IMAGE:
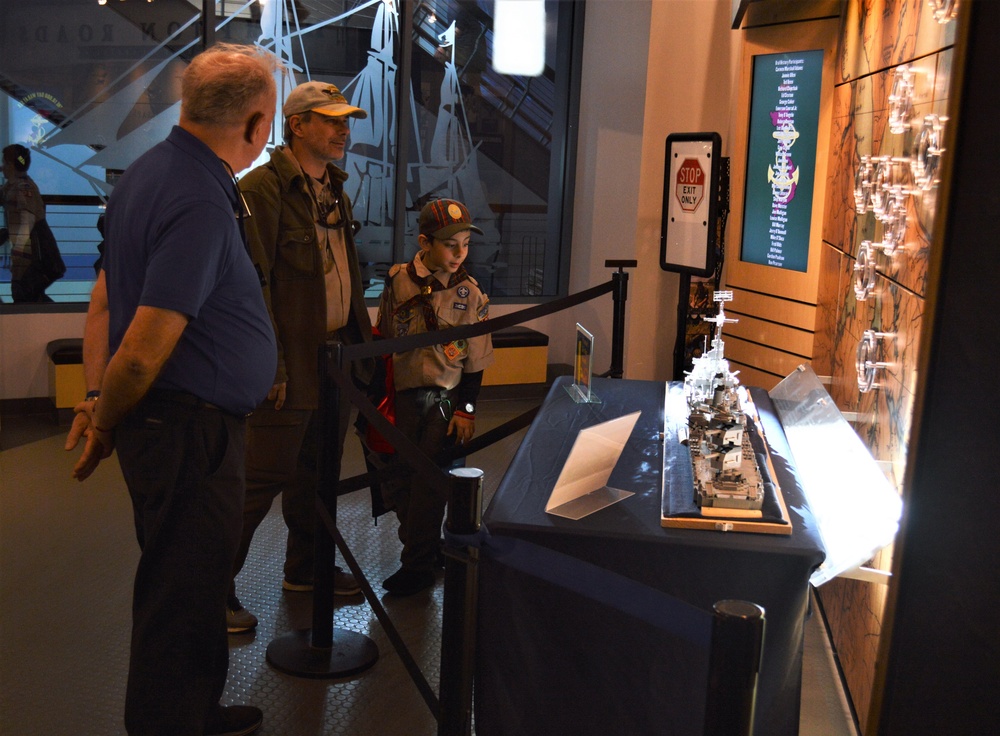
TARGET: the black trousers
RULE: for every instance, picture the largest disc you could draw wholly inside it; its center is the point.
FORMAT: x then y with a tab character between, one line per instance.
420	502
183	463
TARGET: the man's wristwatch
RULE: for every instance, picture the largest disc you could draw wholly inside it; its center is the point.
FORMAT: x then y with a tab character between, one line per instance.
93	395
466	410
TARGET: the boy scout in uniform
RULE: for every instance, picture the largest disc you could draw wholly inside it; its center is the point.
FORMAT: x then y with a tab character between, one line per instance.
437	386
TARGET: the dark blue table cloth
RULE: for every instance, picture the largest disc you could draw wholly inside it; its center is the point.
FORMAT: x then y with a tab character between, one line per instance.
600	626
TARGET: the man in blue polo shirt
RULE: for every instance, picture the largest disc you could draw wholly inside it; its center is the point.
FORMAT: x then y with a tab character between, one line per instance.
179	348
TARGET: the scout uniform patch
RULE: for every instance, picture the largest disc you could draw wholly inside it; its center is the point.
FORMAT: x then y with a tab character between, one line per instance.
456	349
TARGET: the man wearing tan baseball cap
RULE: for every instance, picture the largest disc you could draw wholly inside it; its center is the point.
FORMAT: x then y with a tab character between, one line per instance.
319	97
301	235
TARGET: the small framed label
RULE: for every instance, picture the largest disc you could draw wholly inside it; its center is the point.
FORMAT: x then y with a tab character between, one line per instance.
583	368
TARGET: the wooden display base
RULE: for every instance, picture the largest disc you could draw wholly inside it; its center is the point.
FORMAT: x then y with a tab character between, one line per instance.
731	523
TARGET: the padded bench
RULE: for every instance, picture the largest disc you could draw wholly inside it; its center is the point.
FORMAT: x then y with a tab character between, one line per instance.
521	355
67	386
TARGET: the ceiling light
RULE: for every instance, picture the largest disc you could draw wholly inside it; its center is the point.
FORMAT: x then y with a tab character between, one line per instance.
519	37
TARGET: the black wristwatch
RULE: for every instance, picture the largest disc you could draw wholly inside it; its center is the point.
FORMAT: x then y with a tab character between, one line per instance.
468	407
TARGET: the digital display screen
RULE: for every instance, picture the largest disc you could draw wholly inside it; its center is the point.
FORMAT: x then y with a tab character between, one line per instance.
781	159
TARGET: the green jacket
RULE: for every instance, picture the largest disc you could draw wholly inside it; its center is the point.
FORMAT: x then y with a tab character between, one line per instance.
281	231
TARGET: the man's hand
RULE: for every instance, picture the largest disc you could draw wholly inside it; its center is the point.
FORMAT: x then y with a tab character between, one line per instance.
277	395
463	427
99	445
83	419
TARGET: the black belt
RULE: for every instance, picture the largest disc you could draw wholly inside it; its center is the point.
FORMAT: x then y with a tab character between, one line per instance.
187	399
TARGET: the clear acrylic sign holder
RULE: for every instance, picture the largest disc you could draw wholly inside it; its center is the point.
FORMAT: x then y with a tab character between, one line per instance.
583	370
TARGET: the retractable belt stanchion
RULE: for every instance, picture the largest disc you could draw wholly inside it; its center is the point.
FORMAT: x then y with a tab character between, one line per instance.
619	280
325	651
461	588
733	667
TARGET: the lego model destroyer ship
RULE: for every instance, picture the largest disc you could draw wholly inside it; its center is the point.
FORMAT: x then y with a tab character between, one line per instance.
726	474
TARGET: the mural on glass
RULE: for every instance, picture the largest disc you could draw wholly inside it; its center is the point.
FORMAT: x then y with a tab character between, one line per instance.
467	132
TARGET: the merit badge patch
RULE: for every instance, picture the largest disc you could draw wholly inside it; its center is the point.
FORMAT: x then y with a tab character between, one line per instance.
456	349
460	306
463	292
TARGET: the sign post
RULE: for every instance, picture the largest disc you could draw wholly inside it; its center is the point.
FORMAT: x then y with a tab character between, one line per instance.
690	203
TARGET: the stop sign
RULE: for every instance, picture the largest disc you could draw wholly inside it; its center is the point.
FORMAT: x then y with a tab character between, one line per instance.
690	187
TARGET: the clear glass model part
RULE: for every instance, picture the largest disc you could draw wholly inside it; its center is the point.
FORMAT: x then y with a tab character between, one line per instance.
863	186
926	156
943	11
864	271
881	183
866	363
901	100
894	230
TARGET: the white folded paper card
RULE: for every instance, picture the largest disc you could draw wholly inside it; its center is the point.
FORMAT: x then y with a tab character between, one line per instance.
581	488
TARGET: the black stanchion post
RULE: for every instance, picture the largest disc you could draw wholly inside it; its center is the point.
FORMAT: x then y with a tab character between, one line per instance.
207	23
734	663
328	470
458	620
680	342
325	651
620	296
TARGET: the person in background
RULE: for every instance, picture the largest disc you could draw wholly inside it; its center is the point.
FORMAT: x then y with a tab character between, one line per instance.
301	235
436	387
23	208
178	349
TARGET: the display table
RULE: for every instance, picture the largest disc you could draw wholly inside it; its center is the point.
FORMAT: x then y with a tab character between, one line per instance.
599	626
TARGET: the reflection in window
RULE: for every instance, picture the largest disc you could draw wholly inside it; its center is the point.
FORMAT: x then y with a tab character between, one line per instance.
487	139
451	128
71	203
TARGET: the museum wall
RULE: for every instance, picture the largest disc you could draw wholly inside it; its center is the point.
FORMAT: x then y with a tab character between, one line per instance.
643	79
24	367
884	48
862	298
632	97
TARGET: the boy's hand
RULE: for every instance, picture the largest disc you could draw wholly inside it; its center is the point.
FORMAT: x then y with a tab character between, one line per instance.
463	426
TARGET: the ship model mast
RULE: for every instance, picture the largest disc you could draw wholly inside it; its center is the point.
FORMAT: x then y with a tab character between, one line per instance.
726	474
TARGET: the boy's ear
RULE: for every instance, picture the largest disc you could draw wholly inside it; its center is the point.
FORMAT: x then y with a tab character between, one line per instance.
424	242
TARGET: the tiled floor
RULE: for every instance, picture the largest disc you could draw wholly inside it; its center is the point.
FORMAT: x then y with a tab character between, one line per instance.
67	556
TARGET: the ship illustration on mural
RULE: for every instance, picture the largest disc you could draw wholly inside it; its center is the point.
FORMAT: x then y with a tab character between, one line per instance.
447	167
724	465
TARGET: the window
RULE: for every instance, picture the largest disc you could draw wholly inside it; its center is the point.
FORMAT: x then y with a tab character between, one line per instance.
103	79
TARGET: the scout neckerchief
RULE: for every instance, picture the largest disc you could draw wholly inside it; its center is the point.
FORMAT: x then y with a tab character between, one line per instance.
427	286
422	301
